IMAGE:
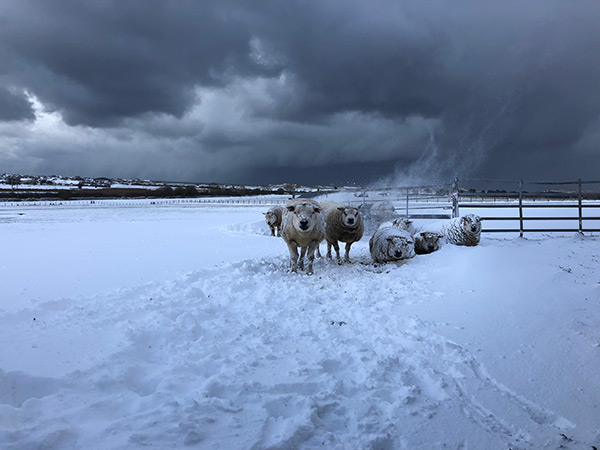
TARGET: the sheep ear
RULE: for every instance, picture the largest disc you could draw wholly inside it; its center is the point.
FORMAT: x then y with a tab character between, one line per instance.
291	208
359	206
389	238
317	210
341	208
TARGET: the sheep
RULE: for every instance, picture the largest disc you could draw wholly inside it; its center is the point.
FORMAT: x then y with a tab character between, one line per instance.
404	223
426	242
391	244
273	217
345	224
303	225
464	230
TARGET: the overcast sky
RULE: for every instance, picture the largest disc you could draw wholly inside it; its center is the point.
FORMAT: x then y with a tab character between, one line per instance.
311	92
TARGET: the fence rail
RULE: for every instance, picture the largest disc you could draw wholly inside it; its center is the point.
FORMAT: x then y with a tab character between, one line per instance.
569	206
523	199
234	201
553	203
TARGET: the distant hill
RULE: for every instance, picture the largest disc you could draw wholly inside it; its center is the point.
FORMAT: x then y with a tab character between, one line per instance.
28	187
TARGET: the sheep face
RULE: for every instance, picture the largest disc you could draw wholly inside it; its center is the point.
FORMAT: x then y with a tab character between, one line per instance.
349	216
470	224
427	242
304	216
399	248
271	218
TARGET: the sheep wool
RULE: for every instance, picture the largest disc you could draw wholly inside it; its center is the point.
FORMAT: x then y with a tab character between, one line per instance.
404	223
273	217
465	230
343	223
303	226
391	244
426	242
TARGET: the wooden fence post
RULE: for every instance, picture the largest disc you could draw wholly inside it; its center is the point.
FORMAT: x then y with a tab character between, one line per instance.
521	207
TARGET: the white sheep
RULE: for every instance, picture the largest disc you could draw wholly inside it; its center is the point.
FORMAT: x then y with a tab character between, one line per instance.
464	230
345	224
404	223
391	244
426	242
274	217
303	226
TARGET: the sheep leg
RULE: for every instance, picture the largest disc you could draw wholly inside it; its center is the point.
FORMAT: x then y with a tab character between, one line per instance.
347	257
318	251
329	249
293	256
301	260
272	230
278	231
336	246
311	256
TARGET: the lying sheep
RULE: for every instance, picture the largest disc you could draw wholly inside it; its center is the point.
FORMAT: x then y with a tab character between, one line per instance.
345	224
303	225
273	217
391	244
426	242
464	230
404	223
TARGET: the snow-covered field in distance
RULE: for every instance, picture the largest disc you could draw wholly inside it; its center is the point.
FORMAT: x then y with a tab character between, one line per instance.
131	325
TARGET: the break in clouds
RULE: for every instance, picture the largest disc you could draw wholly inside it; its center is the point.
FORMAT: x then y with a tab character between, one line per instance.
300	91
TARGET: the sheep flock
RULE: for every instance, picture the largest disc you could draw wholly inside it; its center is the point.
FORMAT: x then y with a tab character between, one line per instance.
304	224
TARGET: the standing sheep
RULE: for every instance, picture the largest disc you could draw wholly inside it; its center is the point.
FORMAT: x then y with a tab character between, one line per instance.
464	230
391	244
303	226
273	217
345	224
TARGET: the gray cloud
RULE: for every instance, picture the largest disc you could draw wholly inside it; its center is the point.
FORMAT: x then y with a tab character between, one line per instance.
310	90
99	62
14	106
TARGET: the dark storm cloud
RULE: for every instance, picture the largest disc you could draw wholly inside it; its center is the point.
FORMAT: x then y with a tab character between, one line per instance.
516	77
268	87
15	106
100	61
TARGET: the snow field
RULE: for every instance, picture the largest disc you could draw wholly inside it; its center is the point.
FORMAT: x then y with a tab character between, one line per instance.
495	346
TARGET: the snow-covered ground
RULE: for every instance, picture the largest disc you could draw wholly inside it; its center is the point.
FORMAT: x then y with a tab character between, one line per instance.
179	325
